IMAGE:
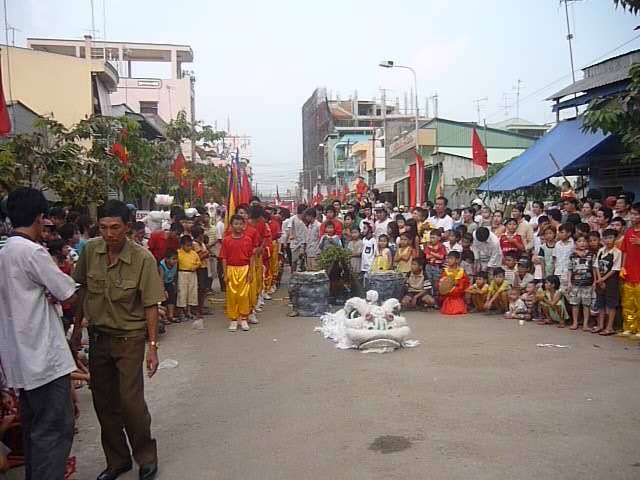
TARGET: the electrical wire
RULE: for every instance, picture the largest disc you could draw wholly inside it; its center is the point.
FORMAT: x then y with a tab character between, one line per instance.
540	90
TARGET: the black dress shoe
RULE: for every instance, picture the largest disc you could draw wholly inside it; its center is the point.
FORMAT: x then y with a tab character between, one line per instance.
112	474
148	471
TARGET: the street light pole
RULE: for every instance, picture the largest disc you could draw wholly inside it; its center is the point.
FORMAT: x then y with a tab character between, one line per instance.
419	174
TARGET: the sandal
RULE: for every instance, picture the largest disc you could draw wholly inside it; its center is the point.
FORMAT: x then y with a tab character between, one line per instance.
607	333
596	330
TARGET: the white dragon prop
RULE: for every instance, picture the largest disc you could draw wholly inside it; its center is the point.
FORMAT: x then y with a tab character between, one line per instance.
363	325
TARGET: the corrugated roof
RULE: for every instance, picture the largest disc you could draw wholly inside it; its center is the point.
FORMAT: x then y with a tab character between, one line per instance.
586	84
607	72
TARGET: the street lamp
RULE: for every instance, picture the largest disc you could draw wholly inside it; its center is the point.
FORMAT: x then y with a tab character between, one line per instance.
419	175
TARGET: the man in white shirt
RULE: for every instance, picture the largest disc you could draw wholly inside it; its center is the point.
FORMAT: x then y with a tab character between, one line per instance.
486	250
441	219
35	356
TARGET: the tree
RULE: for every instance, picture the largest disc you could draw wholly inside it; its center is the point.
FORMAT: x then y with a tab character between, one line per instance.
632	5
619	114
540	191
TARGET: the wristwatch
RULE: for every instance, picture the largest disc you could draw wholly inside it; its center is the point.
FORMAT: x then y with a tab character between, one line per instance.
155	345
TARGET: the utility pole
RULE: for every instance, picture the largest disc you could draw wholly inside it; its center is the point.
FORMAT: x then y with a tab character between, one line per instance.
569	39
505	104
13	34
517	89
93	21
478	101
435	105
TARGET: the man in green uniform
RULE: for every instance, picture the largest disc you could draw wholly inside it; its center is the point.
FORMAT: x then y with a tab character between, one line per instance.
120	292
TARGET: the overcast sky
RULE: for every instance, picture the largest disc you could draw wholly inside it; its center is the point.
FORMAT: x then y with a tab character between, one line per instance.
258	61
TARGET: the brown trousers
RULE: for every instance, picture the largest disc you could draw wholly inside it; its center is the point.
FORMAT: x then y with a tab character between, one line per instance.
117	387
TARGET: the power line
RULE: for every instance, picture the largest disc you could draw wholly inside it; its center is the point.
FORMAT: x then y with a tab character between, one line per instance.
595	60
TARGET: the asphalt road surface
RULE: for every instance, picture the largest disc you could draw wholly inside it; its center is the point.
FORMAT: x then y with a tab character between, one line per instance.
476	400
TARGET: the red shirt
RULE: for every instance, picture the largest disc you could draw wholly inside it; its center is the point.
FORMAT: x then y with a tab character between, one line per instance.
631	256
276	228
507	247
237	251
159	244
337	224
438	249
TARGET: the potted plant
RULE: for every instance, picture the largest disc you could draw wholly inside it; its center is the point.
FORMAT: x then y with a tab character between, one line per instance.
336	262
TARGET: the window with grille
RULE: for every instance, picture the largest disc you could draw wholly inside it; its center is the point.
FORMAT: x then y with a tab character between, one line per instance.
149	107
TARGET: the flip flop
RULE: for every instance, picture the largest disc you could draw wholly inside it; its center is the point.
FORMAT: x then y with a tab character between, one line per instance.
596	330
604	333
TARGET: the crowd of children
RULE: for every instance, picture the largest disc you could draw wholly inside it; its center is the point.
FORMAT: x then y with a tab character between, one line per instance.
569	263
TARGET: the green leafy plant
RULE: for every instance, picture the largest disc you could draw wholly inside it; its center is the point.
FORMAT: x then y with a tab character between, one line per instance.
620	115
335	260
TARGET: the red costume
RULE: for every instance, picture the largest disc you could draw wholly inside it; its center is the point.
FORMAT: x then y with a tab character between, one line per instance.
453	302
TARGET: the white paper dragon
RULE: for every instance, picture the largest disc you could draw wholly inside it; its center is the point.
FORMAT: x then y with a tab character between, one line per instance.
364	325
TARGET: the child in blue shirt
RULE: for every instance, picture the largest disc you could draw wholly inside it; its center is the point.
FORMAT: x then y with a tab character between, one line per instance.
169	272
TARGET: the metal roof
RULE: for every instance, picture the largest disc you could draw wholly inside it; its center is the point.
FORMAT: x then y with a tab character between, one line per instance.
607	72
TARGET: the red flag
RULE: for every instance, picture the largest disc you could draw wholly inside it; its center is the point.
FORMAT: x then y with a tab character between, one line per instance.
5	123
179	166
245	188
120	151
479	154
419	186
198	187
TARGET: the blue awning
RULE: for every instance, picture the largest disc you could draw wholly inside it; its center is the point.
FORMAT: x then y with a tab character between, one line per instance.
568	144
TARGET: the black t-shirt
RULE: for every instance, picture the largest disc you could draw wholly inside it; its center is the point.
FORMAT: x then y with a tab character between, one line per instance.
581	269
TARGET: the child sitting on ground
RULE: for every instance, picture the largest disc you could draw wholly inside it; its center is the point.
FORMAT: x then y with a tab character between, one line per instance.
383	260
517	308
416	293
530	299
552	303
479	291
452	286
497	298
168	268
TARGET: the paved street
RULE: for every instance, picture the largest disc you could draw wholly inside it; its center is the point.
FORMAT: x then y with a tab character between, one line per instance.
476	400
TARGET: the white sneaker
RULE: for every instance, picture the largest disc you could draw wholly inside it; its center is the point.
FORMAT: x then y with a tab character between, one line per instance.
258	308
233	326
253	319
244	325
267	296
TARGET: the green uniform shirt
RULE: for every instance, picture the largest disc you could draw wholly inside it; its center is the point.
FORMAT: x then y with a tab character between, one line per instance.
116	296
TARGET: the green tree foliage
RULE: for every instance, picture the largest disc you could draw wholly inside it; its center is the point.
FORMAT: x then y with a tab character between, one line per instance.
541	191
632	5
79	163
619	114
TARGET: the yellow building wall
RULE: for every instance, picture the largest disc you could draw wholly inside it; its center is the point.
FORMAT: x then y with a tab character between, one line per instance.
50	84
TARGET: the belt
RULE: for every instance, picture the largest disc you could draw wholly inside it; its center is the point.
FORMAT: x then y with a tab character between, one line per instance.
186	270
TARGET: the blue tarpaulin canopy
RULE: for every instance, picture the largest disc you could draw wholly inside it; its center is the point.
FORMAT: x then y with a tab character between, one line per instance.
568	144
